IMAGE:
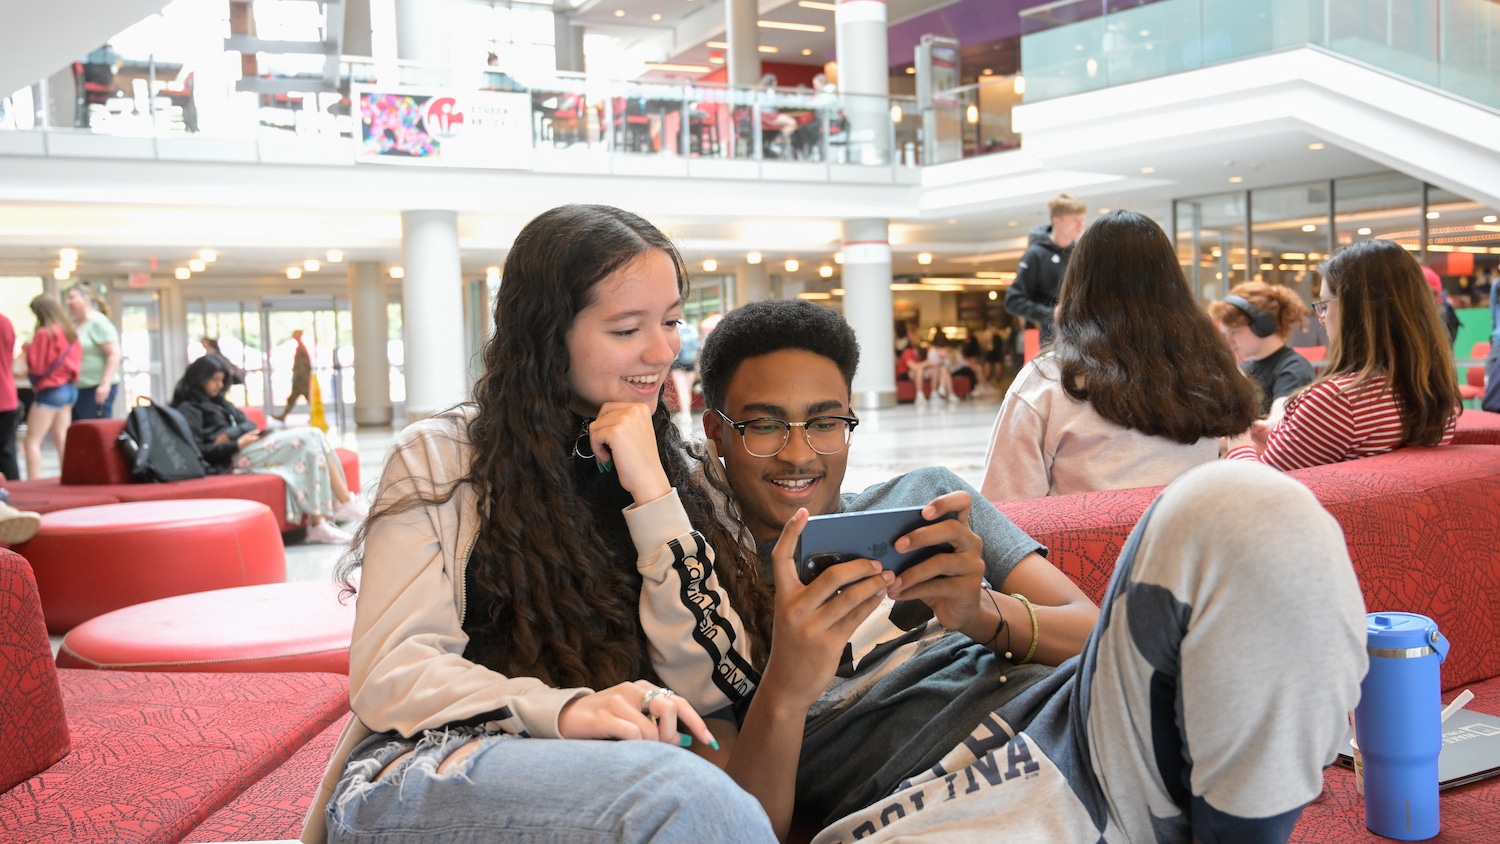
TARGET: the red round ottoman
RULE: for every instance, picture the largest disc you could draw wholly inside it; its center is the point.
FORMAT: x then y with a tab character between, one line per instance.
91	560
299	626
1477	427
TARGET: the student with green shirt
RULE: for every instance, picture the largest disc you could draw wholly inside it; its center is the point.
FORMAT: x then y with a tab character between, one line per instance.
99	377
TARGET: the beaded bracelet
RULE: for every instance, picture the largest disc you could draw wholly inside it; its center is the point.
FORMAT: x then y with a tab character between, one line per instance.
1034	636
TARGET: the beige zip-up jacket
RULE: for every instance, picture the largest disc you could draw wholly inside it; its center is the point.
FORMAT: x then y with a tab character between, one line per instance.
406	667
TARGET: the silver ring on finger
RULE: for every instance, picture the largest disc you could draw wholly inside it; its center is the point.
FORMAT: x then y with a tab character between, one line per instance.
653	695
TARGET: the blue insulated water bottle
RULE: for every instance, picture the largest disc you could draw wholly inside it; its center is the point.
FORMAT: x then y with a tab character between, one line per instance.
1398	725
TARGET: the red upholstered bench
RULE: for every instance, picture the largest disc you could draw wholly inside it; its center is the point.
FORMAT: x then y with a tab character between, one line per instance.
91	560
124	756
1477	427
299	626
92	464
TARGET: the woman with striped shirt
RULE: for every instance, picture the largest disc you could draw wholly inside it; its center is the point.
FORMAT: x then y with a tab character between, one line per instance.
1389	381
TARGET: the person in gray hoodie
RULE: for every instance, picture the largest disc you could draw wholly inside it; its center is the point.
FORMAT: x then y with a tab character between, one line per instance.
1033	294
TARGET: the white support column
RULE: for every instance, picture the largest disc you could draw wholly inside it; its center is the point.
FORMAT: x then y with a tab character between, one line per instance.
432	313
751	283
372	366
864	78
423	33
869	309
742	59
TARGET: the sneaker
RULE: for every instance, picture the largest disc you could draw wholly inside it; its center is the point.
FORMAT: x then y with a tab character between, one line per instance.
327	533
17	526
353	510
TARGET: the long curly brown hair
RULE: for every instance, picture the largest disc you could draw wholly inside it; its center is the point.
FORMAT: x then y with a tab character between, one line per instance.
556	601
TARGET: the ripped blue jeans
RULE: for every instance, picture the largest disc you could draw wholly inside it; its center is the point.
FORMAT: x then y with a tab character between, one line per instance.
536	790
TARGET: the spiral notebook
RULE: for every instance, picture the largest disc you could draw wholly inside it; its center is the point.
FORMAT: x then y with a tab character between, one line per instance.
1471	749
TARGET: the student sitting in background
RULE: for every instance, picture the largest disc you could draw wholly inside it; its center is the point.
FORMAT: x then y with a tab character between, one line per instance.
1139	386
1389	381
1257	319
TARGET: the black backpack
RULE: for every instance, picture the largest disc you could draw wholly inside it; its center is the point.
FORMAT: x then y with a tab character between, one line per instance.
159	445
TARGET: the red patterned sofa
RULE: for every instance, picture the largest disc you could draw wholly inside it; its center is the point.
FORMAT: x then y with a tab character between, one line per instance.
126	756
1423	530
95	472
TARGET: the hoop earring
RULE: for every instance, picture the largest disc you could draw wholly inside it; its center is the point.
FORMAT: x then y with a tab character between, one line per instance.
583	437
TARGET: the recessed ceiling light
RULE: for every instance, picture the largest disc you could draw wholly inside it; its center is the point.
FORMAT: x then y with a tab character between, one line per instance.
1103	210
1314	147
721	45
806	51
312	265
1309	228
398	271
825	271
1148	170
183	273
715	59
1234	180
1490	218
208	256
791	27
1364	231
710	265
656	16
767	48
197	265
619	13
61	273
68	256
813	4
293	273
911	71
989	71
838	257
924	258
1433	215
792	265
752	257
335	256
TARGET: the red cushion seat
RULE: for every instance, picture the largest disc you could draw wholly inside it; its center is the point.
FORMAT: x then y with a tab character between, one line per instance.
1477	427
35	734
301	626
91	560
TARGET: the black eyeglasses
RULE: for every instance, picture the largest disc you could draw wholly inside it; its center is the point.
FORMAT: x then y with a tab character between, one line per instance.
1321	308
766	436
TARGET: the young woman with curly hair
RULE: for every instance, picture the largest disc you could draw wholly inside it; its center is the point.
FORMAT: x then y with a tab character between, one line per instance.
1389	381
1139	386
540	562
1257	318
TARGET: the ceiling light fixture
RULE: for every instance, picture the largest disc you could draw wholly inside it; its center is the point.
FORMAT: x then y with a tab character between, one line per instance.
1148	170
752	257
1309	228
767	48
710	265
1019	85
721	45
293	273
312	265
792	27
492	275
1234	180
924	258
1314	147
68	256
806	51
792	265
197	265
207	256
398	271
335	256
1363	231
813	4
61	273
1433	215
656	16
825	271
1491	218
183	273
619	13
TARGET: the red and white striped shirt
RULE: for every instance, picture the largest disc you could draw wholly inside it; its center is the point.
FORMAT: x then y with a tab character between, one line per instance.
1333	422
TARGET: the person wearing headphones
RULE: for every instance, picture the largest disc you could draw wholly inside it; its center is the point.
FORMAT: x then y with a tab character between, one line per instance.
1257	318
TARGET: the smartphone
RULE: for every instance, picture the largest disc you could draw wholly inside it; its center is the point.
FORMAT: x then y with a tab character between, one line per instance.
866	534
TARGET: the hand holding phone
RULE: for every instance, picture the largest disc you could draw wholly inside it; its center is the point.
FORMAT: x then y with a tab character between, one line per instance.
868	534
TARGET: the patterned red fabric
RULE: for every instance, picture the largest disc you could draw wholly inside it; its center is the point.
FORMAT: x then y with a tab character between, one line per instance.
36	731
92	457
1477	427
1470	813
1083	533
273	808
1423	529
155	754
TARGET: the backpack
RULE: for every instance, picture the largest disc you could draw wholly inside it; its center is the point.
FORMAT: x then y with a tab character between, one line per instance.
159	446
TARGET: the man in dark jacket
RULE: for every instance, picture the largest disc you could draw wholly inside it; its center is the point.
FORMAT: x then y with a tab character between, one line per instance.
1033	295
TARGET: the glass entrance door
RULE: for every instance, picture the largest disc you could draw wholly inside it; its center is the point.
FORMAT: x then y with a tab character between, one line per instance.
326	334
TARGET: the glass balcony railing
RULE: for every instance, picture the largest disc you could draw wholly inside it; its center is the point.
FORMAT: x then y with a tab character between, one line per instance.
566	113
1072	46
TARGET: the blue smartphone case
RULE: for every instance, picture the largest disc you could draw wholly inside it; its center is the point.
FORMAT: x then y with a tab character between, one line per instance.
869	534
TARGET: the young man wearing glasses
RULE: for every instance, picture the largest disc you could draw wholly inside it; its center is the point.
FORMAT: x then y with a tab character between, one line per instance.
946	717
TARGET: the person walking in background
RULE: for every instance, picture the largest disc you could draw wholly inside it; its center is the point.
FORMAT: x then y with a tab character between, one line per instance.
10	403
99	375
1033	295
53	358
301	377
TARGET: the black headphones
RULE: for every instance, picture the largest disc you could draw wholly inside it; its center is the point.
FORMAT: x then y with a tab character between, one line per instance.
1262	324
